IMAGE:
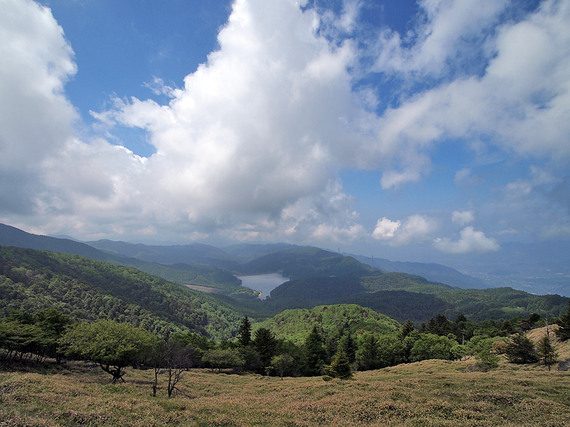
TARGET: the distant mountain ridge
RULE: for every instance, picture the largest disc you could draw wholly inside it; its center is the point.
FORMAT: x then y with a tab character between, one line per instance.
318	277
12	236
200	275
431	271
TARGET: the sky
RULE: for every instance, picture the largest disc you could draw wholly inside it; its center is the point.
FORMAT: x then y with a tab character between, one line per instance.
434	128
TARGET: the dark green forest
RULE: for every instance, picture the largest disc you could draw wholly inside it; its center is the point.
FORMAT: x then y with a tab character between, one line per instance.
91	290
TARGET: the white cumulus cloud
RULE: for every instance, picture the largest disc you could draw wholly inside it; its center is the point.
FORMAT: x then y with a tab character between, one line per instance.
470	240
414	229
462	217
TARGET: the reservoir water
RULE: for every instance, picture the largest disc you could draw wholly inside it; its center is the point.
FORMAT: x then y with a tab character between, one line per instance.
263	282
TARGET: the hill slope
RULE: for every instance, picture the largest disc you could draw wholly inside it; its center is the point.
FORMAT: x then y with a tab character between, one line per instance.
89	290
180	273
431	271
403	296
298	262
296	324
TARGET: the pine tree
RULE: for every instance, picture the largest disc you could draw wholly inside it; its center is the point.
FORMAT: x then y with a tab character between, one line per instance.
348	345
521	350
406	329
265	344
314	353
244	333
546	352
340	366
563	331
368	357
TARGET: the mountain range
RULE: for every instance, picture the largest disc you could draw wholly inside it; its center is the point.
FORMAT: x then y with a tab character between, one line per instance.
316	276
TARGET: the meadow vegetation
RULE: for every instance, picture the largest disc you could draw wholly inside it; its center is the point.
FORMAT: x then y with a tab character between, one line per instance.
428	393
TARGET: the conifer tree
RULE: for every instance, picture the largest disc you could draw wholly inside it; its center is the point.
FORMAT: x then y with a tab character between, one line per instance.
368	357
348	345
314	353
406	329
546	352
244	332
340	366
521	349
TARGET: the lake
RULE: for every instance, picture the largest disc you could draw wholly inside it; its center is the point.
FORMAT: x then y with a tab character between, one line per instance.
263	282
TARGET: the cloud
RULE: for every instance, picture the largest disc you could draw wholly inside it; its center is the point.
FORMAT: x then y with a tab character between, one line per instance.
415	229
386	229
450	31
519	102
36	119
263	125
462	217
251	145
470	240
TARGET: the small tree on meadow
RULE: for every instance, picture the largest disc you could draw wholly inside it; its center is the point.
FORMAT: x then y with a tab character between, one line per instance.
314	354
546	352
520	349
112	345
283	363
265	344
339	367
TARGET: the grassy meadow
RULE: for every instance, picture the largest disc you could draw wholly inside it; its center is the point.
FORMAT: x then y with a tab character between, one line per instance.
433	392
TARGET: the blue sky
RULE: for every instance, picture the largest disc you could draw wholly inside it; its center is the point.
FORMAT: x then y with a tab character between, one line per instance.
424	129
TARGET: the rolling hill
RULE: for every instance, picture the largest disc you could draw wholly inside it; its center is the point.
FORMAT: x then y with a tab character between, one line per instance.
87	289
196	274
403	297
296	324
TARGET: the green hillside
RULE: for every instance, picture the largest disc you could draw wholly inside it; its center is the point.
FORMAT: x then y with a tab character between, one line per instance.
299	262
143	257
403	296
89	290
296	324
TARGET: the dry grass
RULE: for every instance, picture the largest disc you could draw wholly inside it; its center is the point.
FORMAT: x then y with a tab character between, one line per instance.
426	393
562	348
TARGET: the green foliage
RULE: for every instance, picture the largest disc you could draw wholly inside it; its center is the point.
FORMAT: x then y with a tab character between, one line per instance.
340	366
36	334
91	290
348	345
296	324
546	353
431	346
520	349
367	354
407	328
220	359
482	348
314	354
111	344
284	364
265	344
244	332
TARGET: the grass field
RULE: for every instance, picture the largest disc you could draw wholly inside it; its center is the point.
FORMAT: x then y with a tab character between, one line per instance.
427	393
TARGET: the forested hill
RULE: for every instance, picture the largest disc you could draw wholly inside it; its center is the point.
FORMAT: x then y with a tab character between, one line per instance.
404	296
88	289
300	262
127	254
12	236
332	321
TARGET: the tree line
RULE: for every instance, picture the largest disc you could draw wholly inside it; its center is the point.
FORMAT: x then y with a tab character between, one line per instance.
115	346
